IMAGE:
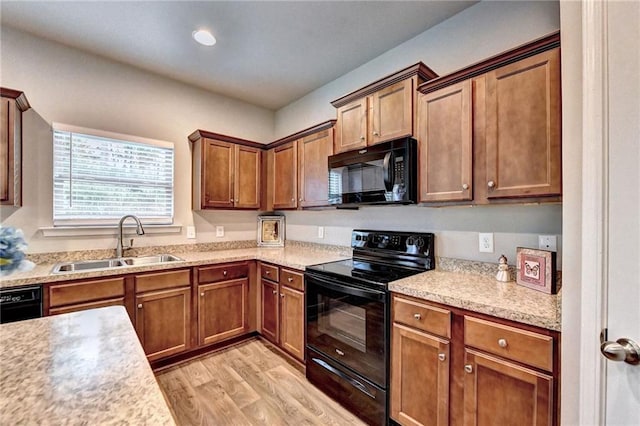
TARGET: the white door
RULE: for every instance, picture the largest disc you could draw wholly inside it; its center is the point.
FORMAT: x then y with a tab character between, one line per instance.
610	390
623	246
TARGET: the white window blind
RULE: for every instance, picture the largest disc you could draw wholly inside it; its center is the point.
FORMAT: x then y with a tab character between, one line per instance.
99	177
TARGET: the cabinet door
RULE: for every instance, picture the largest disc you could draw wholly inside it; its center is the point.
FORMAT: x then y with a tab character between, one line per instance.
269	292
523	128
222	310
163	321
445	144
351	126
217	174
391	112
313	175
247	177
502	393
419	377
285	158
292	321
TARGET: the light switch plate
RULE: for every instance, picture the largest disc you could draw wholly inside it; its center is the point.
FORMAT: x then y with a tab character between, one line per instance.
191	232
219	231
320	231
485	242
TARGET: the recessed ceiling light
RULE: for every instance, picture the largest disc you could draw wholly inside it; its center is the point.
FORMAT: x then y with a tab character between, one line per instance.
204	37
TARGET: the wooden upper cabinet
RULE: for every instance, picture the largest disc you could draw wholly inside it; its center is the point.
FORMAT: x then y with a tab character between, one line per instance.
391	112
381	111
313	174
285	177
445	144
13	104
247	182
351	127
226	172
523	128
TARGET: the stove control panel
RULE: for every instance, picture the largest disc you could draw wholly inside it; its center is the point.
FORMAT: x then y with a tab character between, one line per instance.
393	242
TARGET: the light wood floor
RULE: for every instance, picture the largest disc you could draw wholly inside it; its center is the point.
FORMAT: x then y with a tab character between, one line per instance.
247	384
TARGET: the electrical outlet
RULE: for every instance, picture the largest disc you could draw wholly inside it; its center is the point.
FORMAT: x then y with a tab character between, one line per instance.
320	231
548	242
191	231
219	231
485	243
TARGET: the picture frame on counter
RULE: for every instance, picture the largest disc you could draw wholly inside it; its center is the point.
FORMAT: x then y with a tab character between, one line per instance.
536	269
271	231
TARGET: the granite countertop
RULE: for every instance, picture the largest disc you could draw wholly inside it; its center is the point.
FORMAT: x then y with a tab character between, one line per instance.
483	294
296	257
80	368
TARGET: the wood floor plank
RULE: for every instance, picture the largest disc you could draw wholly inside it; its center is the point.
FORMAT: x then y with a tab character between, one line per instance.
247	384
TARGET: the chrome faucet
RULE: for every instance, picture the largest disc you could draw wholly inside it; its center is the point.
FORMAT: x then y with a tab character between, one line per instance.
139	230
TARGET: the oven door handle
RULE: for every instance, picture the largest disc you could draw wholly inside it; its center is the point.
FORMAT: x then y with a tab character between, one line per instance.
350	290
343	376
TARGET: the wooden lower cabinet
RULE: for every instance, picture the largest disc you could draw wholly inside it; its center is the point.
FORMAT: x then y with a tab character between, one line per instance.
499	392
487	373
419	377
270	308
84	306
222	310
163	321
282	309
292	321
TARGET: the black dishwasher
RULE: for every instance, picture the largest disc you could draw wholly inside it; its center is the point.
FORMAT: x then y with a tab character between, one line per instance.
20	303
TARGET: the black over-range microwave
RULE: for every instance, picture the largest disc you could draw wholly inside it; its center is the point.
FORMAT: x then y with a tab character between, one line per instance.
380	174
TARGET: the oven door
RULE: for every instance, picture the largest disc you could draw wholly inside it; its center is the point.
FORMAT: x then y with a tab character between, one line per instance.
349	325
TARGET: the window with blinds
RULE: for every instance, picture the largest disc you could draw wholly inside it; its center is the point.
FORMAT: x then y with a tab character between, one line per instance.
99	177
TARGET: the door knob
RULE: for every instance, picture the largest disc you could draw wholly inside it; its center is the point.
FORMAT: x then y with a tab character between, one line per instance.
140	306
491	184
621	350
376	134
468	368
442	357
465	186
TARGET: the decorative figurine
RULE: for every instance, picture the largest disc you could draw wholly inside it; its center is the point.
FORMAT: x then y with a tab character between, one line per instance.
503	270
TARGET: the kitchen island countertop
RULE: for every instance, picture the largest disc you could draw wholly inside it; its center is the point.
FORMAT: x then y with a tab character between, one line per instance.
80	368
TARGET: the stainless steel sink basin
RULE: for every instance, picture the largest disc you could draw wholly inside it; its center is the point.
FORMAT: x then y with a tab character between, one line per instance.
102	264
150	260
88	265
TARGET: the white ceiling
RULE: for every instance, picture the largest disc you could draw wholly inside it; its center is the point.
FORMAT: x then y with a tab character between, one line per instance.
268	53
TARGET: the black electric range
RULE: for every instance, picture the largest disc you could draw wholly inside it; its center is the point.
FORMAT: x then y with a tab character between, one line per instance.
348	317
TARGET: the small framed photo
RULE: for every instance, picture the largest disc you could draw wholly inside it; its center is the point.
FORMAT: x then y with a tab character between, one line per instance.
536	269
270	231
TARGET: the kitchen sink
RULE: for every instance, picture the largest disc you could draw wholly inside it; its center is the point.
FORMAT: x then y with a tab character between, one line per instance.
103	264
150	260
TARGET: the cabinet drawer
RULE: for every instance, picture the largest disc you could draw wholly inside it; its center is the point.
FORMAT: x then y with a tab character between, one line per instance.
212	274
524	346
85	306
163	280
85	291
292	279
422	316
270	272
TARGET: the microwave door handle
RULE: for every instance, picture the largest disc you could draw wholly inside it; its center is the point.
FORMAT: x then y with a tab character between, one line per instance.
387	172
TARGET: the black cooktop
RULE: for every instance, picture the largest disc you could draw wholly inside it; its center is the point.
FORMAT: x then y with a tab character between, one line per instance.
372	272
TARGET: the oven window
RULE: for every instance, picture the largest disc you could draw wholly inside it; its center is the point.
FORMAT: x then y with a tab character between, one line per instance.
342	321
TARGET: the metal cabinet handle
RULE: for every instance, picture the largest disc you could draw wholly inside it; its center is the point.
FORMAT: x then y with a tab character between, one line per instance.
290	279
361	138
274	291
491	184
339	352
202	294
376	133
442	357
465	186
139	305
224	273
621	350
231	199
502	343
268	272
417	316
282	295
300	199
468	368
